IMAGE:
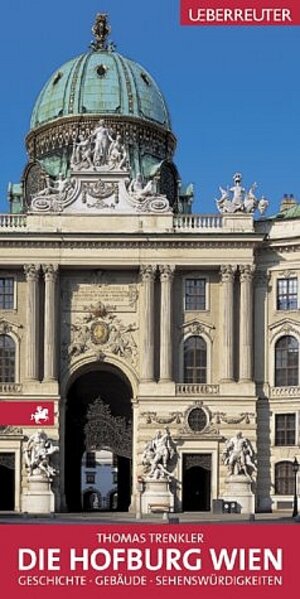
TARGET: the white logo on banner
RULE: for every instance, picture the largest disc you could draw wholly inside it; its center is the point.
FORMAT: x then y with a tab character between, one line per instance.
41	415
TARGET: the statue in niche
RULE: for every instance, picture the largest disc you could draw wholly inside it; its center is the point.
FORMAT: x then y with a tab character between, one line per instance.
117	155
37	454
102	140
238	456
83	152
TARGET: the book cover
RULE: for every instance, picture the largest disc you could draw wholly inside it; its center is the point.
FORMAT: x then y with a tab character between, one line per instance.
149	298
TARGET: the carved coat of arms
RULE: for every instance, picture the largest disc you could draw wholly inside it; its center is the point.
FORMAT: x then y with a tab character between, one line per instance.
100	327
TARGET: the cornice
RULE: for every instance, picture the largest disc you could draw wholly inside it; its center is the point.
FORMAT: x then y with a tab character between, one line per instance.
123	243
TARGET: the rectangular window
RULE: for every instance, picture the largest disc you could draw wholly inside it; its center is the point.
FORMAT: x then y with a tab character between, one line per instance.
195	294
90	459
7	293
90	478
287	294
285	429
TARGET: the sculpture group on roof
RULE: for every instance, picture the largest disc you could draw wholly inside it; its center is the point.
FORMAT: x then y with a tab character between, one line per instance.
237	200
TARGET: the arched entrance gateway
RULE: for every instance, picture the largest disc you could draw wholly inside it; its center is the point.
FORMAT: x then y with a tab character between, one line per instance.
98	441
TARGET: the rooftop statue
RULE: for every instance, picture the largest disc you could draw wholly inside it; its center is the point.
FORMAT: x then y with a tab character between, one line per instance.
54	195
237	200
139	190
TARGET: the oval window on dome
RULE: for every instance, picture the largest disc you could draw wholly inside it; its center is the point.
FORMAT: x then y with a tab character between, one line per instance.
57	78
145	78
101	70
197	420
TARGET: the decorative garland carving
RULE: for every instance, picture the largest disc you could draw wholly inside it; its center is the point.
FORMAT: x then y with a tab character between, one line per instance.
154	418
219	417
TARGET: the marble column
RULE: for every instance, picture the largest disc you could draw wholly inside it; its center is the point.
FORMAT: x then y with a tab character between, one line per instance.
32	321
246	322
147	323
166	358
50	322
227	307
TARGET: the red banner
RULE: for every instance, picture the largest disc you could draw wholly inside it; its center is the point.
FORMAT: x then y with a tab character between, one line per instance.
211	561
240	12
26	413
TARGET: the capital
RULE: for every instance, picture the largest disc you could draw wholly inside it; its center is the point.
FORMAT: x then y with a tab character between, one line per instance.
148	272
31	271
227	273
50	271
246	272
166	272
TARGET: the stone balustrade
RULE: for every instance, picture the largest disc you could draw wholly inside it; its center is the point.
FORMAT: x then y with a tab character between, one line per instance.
196	389
10	388
190	222
13	221
285	392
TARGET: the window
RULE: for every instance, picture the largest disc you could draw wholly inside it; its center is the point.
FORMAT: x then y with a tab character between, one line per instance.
7	293
284	478
195	360
286	362
90	478
197	420
195	294
285	429
7	359
90	461
287	294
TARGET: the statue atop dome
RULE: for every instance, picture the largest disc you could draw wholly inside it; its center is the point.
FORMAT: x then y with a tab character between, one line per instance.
101	31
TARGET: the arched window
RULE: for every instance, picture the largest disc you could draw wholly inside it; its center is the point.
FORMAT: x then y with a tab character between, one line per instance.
195	360
286	362
284	478
7	359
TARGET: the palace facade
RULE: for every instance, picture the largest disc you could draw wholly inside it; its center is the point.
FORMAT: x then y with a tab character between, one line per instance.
131	314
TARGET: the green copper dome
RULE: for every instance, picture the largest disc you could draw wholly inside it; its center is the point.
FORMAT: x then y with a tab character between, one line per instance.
101	82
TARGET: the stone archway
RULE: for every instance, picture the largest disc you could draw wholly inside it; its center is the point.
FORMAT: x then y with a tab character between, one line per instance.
108	383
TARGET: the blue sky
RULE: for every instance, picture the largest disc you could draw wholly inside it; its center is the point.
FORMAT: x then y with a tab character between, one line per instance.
233	93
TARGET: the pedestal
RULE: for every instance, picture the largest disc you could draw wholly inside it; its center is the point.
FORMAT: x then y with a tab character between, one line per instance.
157	497
38	499
238	488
